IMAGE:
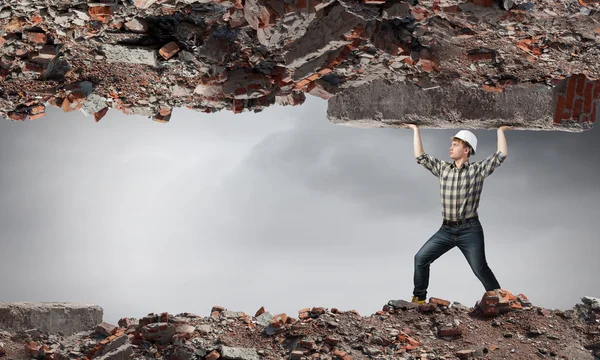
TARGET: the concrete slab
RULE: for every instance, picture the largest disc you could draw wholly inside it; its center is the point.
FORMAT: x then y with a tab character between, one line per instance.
50	317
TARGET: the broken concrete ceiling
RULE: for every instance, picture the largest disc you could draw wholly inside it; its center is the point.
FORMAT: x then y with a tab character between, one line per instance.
439	63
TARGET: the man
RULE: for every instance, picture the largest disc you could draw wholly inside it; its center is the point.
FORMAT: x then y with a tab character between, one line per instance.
461	183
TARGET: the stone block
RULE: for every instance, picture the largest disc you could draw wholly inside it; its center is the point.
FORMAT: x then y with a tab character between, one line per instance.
51	317
130	54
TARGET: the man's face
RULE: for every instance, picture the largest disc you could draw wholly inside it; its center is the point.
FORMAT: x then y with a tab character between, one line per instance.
458	150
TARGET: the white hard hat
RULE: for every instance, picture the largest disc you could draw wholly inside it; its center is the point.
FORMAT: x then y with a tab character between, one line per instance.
466	135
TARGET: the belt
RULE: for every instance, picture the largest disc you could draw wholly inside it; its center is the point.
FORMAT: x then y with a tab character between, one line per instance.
458	222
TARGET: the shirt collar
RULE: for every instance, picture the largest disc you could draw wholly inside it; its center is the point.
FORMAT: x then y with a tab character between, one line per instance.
465	165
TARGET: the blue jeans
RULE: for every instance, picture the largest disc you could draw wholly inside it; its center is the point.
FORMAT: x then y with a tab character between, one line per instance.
468	237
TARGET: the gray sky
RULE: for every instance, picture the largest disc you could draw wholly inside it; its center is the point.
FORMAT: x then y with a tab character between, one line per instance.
280	209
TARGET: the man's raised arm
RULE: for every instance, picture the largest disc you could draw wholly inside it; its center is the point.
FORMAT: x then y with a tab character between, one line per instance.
417	143
429	162
488	165
502	147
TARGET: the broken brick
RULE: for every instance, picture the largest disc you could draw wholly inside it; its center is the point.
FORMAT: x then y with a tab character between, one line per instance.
73	102
279	320
485	3
439	302
97	116
35	37
38	109
213	355
169	50
17	116
480	56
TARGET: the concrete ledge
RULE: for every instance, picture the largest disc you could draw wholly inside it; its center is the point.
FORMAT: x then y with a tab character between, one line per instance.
384	103
49	317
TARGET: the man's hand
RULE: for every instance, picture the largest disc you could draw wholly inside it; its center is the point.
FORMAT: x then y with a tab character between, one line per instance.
409	126
506	127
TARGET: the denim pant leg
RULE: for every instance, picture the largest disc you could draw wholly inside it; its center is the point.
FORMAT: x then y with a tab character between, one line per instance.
471	244
436	246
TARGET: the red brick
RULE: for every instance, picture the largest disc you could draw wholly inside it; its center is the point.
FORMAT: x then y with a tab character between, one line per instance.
589	2
36	19
38	38
33	67
169	50
580	84
73	102
100	10
451	9
301	4
419	13
596	94
492	88
17	116
450	332
37	116
3	73
38	109
339	354
428	65
587	100
594	115
213	355
567	114
355	33
577	109
440	302
326	71
100	114
570	93
486	3
483	56
313	77
279	320
560	106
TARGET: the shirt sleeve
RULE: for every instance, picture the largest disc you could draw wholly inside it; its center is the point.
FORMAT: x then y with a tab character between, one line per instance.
487	166
430	163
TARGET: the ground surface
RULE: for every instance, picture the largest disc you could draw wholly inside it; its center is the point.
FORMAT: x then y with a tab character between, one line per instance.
499	326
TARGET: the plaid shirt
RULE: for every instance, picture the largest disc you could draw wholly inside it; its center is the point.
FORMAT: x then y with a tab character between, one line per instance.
461	188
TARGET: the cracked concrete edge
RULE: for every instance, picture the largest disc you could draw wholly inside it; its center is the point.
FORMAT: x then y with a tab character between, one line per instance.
66	318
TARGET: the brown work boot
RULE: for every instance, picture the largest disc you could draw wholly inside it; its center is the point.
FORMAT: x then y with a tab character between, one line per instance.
416	300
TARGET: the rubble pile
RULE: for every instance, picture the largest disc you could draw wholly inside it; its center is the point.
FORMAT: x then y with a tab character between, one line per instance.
438	329
147	57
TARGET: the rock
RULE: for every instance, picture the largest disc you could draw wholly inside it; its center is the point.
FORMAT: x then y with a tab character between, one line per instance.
158	332
93	104
121	353
129	55
264	319
105	329
143	4
51	317
465	354
204	329
138	25
592	302
235	353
